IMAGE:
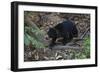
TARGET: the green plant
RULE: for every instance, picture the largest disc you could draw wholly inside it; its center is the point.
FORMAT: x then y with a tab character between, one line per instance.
86	50
34	36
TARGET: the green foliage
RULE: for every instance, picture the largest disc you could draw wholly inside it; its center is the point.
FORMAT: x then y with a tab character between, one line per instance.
34	36
86	50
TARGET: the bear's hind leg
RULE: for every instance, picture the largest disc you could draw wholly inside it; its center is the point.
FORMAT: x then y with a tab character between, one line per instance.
64	41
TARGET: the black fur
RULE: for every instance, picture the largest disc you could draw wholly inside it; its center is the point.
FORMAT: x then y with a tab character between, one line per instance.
66	30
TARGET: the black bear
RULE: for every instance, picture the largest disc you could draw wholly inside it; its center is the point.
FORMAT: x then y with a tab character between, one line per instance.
65	30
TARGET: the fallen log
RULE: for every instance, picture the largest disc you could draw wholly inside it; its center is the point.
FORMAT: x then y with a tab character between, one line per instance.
66	47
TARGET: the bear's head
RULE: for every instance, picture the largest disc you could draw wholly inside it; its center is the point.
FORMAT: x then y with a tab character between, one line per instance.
52	33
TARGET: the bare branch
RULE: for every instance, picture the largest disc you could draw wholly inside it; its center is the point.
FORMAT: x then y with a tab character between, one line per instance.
82	36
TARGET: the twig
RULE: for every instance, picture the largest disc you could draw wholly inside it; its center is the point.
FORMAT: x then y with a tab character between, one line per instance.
82	36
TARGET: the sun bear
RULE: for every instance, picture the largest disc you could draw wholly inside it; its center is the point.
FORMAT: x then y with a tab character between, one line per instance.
65	30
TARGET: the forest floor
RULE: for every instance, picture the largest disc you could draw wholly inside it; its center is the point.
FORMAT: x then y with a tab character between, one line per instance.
76	49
